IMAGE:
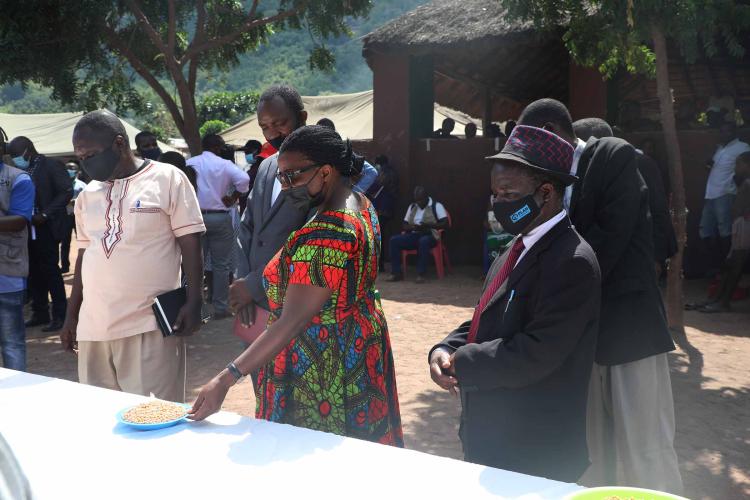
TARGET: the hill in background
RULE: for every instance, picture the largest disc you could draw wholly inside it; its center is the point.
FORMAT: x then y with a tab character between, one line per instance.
283	60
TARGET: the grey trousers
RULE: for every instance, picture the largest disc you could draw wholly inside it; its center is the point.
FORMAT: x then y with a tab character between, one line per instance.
631	427
219	241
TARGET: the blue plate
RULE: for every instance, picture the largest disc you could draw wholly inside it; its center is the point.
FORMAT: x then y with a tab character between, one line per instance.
150	427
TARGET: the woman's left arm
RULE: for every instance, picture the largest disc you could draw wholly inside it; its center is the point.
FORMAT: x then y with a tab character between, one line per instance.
301	304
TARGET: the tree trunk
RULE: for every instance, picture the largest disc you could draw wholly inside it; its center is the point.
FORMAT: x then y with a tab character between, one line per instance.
675	299
190	131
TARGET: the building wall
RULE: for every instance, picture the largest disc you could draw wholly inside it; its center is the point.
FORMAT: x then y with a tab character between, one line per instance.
588	93
456	173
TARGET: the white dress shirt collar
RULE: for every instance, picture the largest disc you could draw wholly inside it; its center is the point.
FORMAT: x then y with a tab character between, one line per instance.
580	146
536	234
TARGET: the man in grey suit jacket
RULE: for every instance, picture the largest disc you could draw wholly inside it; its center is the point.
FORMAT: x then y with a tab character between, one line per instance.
268	218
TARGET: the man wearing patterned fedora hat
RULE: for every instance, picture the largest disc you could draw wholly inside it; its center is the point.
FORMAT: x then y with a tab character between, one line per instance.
631	420
523	362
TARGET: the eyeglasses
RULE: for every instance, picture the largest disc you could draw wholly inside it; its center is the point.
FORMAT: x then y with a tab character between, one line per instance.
287	178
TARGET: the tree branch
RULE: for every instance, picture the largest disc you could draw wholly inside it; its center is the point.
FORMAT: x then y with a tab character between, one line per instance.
117	45
248	25
172	28
152	34
193	73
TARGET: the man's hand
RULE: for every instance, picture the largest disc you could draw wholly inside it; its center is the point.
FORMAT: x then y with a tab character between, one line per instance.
442	371
228	201
239	295
68	334
38	219
188	320
246	315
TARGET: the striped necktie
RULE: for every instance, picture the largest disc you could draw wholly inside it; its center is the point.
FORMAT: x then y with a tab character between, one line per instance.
494	286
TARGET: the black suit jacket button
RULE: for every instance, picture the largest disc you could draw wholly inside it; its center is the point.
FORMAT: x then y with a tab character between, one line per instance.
260	243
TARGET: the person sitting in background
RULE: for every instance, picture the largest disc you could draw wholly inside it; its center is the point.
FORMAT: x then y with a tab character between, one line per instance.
716	219
384	195
421	231
369	173
321	289
16	208
470	130
176	159
663	235
445	131
738	256
147	146
78	186
53	192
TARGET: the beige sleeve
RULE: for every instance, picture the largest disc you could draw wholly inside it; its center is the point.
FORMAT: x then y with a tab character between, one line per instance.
184	211
82	236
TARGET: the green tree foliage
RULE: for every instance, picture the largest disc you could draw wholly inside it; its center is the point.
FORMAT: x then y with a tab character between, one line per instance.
614	34
283	59
88	51
230	107
634	34
213	127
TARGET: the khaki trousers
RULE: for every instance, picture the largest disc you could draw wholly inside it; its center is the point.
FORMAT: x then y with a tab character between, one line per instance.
631	427
146	364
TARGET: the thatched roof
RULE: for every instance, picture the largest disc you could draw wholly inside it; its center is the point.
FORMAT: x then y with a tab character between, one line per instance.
449	22
475	47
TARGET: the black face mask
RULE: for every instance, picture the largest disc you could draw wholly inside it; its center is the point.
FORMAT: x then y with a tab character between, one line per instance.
151	154
101	166
300	197
515	216
277	142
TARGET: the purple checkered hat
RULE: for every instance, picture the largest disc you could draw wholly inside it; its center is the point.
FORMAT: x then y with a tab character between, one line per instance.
539	149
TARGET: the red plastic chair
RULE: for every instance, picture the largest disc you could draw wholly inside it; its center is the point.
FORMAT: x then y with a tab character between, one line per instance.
439	253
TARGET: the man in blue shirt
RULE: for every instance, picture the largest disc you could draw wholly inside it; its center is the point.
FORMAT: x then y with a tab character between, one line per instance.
15	215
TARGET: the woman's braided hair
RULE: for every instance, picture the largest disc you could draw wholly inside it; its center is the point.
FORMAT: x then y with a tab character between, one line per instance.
324	146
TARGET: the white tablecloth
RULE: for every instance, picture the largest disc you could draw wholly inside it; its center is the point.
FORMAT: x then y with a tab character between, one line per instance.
68	442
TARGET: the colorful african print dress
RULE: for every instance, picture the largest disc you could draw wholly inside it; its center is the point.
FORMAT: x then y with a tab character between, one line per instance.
337	376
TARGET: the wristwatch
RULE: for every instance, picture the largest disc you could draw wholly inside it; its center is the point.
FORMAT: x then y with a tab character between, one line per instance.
236	373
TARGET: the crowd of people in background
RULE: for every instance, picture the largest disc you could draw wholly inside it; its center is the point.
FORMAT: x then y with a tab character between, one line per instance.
568	343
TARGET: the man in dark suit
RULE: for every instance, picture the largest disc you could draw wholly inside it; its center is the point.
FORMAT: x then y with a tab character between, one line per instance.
269	217
53	192
523	363
631	411
665	241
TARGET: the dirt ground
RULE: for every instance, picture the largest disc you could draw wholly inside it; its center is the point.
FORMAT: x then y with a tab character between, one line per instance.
710	378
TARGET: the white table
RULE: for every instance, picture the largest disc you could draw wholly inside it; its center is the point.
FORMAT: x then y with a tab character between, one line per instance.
67	440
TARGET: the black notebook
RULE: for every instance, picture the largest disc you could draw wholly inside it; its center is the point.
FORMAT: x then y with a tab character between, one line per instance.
166	307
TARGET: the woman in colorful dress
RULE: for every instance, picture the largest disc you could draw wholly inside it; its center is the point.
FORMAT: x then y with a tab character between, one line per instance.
325	360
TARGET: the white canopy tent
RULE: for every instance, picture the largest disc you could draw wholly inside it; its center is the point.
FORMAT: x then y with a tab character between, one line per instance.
52	133
351	113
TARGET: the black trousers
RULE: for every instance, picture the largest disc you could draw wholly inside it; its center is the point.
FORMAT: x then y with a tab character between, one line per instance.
65	243
45	276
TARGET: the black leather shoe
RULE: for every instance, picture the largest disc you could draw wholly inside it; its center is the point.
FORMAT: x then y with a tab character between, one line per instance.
54	326
34	321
